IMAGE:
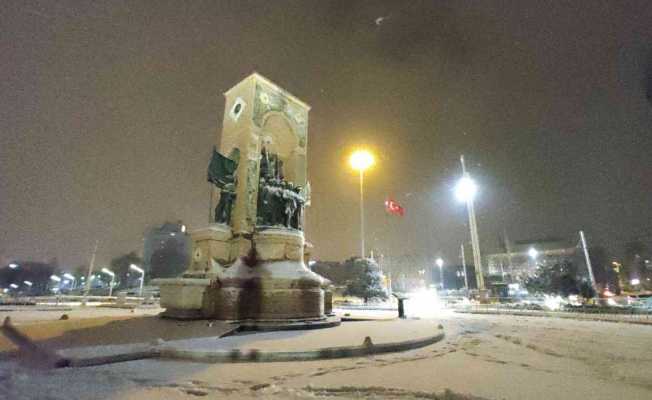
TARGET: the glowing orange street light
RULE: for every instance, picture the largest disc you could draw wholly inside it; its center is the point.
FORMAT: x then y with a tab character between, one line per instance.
361	160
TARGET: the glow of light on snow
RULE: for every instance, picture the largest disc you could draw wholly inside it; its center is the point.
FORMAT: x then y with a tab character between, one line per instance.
424	303
552	302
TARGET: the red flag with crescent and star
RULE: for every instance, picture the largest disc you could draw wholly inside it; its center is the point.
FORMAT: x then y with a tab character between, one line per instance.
394	208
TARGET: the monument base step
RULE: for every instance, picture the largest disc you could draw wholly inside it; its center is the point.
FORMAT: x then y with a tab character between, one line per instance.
183	314
289	325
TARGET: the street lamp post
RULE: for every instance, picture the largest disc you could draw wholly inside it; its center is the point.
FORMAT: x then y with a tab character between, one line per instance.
142	277
112	275
588	261
440	264
89	278
361	160
465	191
466	281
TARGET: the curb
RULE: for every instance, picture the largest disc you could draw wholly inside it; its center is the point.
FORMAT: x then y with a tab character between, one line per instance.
112	359
236	355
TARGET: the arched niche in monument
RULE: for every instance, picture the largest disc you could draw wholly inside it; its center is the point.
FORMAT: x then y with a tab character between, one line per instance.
279	137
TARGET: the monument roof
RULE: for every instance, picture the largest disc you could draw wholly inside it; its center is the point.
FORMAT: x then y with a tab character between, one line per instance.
255	76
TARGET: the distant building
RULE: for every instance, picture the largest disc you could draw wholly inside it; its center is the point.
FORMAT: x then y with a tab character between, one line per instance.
520	259
167	250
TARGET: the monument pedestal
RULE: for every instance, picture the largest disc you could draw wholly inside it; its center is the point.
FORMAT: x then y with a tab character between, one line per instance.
183	298
272	285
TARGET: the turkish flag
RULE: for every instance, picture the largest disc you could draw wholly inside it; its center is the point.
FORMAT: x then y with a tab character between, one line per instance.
393	207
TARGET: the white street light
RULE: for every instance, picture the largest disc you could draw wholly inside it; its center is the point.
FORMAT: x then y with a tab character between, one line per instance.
142	276
28	283
13	265
466	191
635	281
533	253
440	264
112	275
55	278
13	286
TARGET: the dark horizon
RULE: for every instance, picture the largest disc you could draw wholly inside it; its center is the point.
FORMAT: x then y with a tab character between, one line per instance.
109	114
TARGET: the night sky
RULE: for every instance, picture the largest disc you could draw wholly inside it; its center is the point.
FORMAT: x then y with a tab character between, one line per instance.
109	110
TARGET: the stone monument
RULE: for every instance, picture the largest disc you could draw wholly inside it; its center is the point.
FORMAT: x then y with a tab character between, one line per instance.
248	263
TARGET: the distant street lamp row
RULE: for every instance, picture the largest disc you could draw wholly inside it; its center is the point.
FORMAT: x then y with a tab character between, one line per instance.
107	272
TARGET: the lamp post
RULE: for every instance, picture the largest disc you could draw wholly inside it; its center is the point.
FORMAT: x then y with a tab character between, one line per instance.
465	191
112	275
466	281
440	264
142	277
87	289
361	160
587	259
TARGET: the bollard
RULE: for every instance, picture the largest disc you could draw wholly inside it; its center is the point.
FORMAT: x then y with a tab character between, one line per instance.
401	308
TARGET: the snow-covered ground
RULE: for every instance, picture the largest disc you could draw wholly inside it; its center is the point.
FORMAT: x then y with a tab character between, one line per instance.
492	357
